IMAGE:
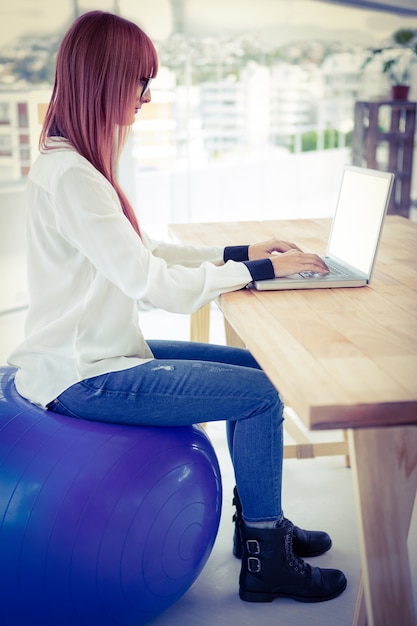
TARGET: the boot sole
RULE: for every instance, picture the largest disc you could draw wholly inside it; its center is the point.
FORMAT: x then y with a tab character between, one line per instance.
253	596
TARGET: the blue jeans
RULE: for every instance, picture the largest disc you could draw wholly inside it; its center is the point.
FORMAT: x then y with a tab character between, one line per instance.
188	383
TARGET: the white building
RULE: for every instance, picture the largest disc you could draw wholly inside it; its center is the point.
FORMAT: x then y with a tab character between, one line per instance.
21	114
222	111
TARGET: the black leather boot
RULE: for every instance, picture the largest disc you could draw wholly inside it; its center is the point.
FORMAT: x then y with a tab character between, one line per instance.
306	543
271	570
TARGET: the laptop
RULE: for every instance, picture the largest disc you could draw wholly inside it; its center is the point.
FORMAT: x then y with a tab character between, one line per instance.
354	237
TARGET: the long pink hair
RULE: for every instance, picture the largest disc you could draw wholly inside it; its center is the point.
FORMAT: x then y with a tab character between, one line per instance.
99	64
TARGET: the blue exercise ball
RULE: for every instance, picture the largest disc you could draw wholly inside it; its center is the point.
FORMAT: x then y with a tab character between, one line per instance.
100	524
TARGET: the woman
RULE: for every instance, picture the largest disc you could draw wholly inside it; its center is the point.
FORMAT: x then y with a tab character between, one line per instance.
89	263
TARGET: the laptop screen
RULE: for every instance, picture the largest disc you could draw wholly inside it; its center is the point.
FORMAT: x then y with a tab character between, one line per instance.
361	208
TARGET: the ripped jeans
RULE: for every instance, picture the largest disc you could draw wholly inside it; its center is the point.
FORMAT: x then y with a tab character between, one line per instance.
188	383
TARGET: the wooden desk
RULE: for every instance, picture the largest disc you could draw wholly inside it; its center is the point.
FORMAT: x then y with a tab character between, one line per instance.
346	358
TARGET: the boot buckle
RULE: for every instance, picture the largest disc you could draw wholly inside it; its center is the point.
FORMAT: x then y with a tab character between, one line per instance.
254	564
253	546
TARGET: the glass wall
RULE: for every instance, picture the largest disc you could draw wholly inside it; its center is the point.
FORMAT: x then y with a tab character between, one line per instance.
252	110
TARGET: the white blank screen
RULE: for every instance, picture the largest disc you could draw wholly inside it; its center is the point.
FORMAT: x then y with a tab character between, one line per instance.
360	211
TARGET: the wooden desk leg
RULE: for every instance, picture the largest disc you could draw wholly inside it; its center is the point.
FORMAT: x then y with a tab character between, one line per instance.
384	462
232	338
347	457
200	325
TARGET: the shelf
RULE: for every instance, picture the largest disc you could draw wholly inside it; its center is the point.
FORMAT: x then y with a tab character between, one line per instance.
392	123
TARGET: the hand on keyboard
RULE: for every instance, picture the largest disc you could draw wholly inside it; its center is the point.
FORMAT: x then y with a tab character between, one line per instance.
293	261
312	274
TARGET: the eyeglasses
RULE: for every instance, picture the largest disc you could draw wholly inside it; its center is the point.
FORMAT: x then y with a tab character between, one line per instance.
146	82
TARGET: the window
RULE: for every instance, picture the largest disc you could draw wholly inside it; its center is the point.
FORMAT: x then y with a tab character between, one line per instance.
5	145
22	109
266	87
262	97
4	113
24	154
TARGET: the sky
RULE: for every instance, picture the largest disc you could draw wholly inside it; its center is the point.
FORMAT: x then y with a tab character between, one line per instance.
286	19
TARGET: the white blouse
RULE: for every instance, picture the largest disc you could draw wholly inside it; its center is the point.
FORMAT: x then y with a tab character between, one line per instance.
87	269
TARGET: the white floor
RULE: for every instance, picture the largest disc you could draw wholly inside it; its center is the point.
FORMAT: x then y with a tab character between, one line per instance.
318	494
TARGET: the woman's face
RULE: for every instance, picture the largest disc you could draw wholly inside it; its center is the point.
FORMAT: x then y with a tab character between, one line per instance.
143	96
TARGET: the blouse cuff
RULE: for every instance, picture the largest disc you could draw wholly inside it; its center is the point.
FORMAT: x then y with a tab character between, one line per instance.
260	269
236	253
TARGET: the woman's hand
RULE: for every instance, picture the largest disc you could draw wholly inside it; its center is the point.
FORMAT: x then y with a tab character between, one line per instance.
266	248
294	261
287	258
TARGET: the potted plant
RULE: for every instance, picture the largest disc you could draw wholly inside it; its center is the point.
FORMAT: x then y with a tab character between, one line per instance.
397	58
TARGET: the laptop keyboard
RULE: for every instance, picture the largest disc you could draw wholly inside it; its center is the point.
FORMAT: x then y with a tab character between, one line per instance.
336	271
333	271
